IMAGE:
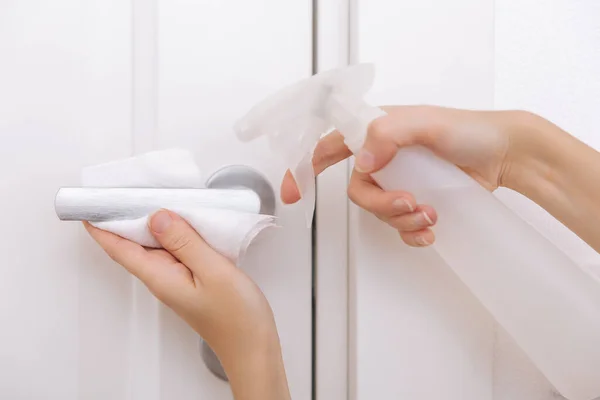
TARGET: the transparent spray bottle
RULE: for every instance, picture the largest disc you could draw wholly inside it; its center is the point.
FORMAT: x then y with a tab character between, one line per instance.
549	305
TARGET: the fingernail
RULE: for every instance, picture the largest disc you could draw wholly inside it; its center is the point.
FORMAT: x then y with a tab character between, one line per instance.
365	161
427	218
160	221
402	205
421	241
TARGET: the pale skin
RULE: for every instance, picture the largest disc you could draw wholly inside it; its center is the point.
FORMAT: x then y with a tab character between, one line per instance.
214	297
514	149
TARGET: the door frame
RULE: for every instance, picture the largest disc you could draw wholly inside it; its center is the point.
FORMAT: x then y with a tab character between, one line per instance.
333	29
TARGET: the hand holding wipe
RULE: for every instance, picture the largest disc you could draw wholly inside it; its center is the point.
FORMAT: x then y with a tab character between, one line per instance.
549	305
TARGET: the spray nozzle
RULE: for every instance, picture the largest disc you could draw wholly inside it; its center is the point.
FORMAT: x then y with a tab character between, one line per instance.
295	118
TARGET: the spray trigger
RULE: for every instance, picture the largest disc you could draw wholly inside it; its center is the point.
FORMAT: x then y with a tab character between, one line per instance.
295	118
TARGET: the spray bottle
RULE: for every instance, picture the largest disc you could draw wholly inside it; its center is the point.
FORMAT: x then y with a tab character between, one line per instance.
549	305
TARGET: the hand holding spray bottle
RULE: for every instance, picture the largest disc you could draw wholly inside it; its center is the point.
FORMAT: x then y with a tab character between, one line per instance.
549	305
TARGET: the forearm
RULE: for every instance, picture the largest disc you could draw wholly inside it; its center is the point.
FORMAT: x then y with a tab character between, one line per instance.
259	374
558	172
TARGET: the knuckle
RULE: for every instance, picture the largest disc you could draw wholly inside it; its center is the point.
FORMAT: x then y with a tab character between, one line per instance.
113	256
401	224
357	196
394	223
178	243
352	195
380	128
153	283
173	297
326	152
372	203
364	200
411	224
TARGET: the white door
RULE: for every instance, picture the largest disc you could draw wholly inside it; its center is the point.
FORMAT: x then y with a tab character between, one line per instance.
88	81
414	331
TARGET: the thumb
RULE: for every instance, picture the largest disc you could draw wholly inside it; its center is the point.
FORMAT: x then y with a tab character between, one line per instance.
177	237
385	136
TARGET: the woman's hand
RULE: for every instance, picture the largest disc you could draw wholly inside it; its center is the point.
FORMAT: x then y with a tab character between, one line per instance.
484	144
213	296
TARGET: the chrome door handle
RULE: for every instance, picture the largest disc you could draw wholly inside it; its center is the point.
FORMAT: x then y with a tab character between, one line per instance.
234	187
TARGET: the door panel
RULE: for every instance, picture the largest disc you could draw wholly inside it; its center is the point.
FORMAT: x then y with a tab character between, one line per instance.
216	59
64	103
416	331
88	81
550	67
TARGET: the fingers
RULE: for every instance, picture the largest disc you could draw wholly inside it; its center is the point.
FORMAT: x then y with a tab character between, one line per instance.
329	151
379	147
130	255
289	190
163	254
397	209
422	218
404	126
421	238
365	193
184	243
155	268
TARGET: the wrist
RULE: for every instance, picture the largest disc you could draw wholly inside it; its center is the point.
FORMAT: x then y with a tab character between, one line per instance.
536	147
558	172
258	370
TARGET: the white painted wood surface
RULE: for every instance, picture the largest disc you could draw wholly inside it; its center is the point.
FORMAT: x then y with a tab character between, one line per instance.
216	60
331	245
415	331
547	60
64	103
87	81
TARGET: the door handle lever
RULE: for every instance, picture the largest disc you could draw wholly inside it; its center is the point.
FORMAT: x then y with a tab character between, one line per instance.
105	204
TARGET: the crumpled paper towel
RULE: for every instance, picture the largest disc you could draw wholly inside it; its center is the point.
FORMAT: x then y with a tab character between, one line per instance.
228	232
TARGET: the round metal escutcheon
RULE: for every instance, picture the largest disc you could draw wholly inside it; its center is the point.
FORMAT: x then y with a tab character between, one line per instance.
212	361
243	177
